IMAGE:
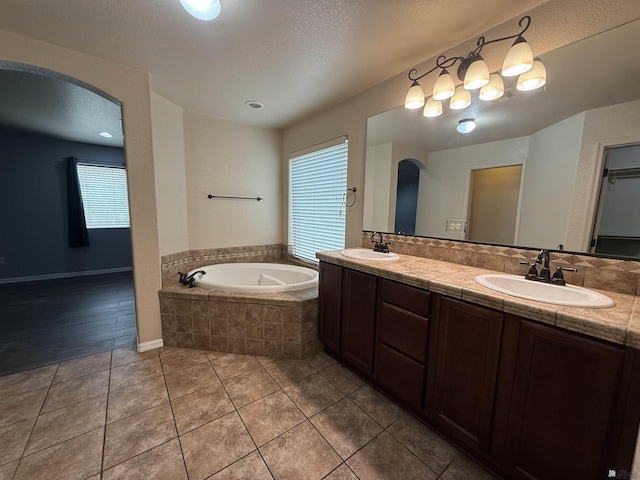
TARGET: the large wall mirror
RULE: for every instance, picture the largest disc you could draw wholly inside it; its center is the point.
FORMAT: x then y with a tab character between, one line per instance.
559	165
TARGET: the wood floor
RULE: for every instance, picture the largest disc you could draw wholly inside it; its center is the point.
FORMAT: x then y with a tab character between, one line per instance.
55	320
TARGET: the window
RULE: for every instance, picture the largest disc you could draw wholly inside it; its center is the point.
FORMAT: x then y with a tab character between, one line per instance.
317	185
104	196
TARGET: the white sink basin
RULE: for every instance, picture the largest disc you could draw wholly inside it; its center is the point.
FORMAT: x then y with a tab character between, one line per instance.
365	254
568	295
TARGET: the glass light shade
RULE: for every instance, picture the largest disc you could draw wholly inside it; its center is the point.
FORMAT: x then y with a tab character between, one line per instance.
444	87
534	78
415	97
433	108
477	75
494	89
202	9
466	125
519	59
461	99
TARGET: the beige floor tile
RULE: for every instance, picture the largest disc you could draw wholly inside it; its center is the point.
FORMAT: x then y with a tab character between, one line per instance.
270	416
124	356
7	470
313	394
376	405
321	360
345	427
300	453
163	462
83	366
249	387
77	390
286	372
27	381
21	407
136	434
343	472
188	380
133	373
462	468
262	360
13	439
250	467
216	445
181	359
344	379
77	458
234	364
426	444
384	458
136	398
65	423
197	408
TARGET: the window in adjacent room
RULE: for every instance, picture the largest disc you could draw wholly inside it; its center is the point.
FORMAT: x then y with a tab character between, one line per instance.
104	196
317	213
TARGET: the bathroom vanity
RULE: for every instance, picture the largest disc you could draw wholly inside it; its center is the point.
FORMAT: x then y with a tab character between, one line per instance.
497	378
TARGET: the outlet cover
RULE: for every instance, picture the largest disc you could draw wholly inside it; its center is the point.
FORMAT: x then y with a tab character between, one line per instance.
456	226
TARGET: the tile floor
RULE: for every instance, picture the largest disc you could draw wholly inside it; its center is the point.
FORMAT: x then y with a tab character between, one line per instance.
186	414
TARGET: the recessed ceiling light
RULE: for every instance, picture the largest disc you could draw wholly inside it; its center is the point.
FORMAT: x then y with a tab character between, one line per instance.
105	134
253	104
202	9
466	125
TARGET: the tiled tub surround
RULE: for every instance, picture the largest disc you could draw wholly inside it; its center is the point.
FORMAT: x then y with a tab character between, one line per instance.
610	274
619	324
271	324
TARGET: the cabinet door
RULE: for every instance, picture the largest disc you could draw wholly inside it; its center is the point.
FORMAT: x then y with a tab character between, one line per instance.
463	362
358	319
329	297
562	407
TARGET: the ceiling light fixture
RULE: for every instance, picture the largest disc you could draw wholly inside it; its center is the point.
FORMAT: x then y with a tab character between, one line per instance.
202	9
466	125
474	74
105	134
253	104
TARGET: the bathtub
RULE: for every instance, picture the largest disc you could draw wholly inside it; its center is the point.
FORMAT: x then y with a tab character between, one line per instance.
256	277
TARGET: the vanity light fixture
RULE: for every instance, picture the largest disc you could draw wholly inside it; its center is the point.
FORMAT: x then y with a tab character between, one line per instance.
474	74
202	9
466	125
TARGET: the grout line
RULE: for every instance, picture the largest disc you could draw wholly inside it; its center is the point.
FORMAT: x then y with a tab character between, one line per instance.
106	415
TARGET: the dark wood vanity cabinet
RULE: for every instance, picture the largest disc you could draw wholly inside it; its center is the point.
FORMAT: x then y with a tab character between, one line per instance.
402	335
463	369
562	404
329	305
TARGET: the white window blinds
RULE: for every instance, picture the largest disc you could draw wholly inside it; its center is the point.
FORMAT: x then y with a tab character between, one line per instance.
317	185
104	196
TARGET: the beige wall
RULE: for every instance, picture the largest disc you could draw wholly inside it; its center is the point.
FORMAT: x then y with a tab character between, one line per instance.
231	159
555	23
170	175
131	87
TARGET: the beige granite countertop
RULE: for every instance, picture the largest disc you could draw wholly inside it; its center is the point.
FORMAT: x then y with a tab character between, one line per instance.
619	324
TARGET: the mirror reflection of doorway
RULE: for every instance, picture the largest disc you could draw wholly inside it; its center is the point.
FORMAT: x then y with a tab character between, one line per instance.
407	197
493	204
617	227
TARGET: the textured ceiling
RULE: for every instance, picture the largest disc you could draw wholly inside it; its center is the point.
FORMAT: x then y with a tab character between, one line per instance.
298	57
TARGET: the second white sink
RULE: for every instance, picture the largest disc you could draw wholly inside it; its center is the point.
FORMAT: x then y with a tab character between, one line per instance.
568	295
365	254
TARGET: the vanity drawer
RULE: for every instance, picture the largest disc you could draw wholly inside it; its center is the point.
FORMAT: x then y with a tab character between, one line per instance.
401	375
404	331
409	298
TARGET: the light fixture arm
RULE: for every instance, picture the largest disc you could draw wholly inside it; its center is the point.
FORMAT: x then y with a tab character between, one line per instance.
443	62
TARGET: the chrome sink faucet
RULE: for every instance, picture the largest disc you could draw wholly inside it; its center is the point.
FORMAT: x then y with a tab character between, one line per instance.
379	246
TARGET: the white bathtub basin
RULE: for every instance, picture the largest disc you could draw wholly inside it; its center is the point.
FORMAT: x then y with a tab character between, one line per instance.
366	254
567	295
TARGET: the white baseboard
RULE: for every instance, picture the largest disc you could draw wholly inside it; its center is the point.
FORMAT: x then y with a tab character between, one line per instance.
54	276
143	347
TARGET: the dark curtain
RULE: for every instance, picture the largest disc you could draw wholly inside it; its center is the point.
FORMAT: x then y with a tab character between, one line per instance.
78	234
